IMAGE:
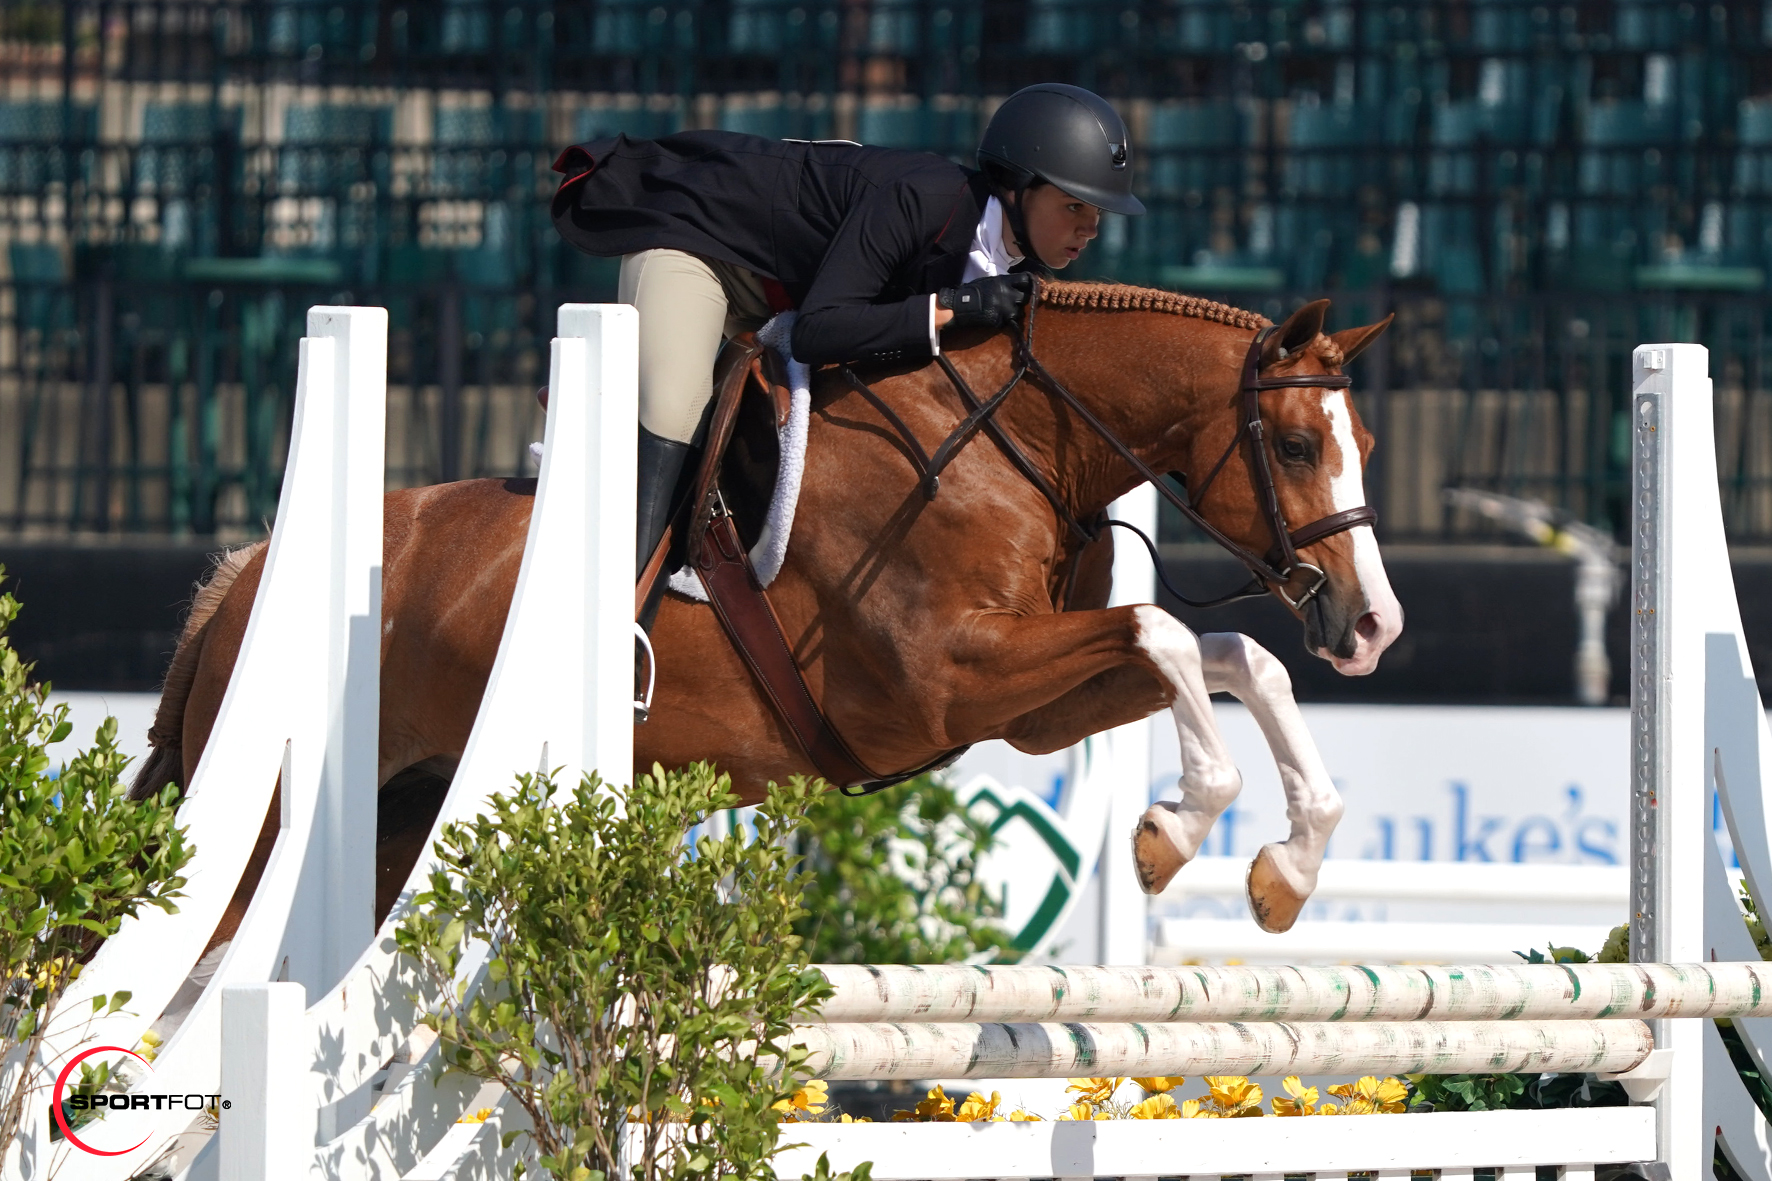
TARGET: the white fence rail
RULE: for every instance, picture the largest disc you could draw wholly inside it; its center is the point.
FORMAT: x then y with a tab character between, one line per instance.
1454	1143
1514	1143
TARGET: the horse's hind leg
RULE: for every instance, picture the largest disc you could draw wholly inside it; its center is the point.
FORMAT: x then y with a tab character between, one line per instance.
1284	873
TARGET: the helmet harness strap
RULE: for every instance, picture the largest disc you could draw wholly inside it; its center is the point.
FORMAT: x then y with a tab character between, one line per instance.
1031	262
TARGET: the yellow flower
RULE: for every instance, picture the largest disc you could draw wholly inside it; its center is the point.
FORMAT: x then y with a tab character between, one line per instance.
854	1119
1371	1095
1303	1101
1159	1086
1095	1090
1160	1106
1329	1109
1391	1095
1080	1111
935	1107
810	1098
151	1043
62	967
477	1117
1192	1109
977	1108
1018	1116
1234	1095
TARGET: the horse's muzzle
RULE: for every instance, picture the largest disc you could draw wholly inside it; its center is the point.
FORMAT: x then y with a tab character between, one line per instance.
1343	627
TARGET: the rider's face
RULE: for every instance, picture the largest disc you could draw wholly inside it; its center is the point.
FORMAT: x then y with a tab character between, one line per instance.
1059	224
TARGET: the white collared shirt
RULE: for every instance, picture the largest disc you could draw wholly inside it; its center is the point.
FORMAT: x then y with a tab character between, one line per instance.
989	255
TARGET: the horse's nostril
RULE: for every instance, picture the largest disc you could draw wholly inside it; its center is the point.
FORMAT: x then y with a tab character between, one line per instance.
1367	627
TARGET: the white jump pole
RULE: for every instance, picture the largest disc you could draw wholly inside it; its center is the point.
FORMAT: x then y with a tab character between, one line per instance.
1071	1049
943	993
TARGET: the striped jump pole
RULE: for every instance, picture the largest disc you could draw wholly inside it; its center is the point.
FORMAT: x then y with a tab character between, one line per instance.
937	993
1053	1050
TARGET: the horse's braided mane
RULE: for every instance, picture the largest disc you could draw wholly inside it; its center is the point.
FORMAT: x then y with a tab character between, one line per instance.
1122	297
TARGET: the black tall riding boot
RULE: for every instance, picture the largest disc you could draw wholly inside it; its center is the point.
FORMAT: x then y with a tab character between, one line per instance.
661	466
660	470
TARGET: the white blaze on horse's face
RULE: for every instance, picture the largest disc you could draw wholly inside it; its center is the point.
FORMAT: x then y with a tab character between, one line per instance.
1382	620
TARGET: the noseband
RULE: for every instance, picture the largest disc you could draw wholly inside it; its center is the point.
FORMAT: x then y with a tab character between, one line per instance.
1277	569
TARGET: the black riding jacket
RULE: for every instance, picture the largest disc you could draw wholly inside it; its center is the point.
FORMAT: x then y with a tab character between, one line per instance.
854	237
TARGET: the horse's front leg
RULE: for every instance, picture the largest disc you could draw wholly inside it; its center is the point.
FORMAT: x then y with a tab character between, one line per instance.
1169	835
1188	668
1284	873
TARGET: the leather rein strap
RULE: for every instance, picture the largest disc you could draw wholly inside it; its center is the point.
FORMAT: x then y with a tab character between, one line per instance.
1276	569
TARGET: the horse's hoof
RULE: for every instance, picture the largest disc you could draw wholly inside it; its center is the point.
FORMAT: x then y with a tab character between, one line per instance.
1273	903
1156	849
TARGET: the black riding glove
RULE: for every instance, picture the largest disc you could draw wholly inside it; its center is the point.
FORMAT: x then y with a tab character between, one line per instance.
990	302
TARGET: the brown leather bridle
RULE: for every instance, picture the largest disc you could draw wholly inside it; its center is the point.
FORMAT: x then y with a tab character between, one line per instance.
1277	569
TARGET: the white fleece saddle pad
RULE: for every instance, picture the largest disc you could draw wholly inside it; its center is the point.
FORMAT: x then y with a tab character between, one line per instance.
772	544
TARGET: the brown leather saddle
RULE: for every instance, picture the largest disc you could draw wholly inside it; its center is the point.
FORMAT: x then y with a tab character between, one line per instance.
713	532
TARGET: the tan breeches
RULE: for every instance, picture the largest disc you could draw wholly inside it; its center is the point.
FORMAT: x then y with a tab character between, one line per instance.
687	305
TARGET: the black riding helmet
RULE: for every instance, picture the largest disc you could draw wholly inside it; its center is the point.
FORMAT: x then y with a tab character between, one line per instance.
1066	136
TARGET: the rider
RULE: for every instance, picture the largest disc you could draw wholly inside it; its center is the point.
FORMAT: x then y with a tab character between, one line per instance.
879	249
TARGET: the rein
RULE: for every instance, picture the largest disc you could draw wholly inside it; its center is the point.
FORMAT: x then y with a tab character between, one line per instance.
1276	570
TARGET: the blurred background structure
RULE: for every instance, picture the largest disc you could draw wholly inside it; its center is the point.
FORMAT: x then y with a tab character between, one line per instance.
1532	187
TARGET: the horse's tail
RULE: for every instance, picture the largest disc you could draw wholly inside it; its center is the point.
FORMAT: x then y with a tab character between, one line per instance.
166	757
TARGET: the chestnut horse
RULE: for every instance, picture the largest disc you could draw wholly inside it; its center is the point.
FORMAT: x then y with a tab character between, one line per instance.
922	625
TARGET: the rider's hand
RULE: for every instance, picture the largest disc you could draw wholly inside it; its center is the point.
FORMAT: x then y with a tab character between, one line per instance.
990	302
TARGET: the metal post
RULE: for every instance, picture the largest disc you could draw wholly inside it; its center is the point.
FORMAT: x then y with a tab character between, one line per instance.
1672	496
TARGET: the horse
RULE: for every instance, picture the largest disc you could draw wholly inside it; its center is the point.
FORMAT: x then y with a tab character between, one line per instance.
925	624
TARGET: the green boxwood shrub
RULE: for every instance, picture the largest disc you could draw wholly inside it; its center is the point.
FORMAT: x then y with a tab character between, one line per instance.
631	988
77	857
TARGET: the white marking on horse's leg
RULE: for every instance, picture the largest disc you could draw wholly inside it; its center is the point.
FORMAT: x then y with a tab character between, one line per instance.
1169	835
1236	664
1382	620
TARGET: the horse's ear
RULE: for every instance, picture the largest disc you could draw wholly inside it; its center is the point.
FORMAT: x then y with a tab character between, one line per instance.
1353	341
1300	328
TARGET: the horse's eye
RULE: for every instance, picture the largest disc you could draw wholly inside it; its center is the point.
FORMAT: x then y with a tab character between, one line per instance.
1292	448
